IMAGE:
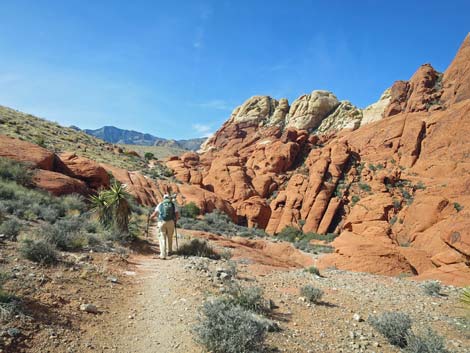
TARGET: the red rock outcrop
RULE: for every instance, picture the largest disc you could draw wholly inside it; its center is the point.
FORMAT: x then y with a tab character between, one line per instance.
84	169
59	184
23	151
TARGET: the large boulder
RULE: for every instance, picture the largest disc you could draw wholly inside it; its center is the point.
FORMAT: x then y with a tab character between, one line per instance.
84	169
27	152
59	184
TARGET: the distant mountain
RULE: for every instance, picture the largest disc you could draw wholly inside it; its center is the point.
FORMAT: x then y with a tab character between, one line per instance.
115	135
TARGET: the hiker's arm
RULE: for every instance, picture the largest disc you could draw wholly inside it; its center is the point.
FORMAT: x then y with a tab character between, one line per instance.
154	214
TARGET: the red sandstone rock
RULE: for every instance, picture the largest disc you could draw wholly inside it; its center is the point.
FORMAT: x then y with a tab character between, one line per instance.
59	184
27	152
84	169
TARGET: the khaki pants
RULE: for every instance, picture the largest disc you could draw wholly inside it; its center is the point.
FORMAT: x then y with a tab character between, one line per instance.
165	237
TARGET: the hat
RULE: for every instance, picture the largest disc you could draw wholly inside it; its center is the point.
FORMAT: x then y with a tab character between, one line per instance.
166	196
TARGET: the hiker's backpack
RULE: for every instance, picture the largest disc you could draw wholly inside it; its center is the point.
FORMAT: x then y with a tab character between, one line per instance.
167	211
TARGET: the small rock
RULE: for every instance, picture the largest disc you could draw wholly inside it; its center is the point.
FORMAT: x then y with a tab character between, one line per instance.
89	308
357	317
112	279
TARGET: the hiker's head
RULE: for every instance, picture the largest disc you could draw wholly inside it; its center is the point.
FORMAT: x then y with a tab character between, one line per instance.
166	197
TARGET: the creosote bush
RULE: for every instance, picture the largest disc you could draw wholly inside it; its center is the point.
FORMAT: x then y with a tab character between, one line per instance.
312	294
15	171
10	228
190	210
428	342
395	326
432	288
249	298
219	223
197	247
313	270
226	328
39	251
302	240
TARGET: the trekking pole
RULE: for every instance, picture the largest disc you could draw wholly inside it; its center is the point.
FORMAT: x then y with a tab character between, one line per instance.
148	224
176	236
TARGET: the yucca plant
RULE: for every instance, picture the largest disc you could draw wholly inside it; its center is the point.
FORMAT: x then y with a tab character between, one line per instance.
117	199
100	206
465	297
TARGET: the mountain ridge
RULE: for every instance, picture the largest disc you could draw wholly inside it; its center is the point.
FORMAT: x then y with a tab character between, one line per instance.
117	135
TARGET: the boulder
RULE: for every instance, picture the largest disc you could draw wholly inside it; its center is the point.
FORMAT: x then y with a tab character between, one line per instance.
94	175
26	152
59	184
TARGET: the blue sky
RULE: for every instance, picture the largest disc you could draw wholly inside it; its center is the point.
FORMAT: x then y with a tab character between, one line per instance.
177	69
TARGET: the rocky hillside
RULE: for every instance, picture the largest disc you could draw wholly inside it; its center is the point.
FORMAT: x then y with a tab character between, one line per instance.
391	180
115	135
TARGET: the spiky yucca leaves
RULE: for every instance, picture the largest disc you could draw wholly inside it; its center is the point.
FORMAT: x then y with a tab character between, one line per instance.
113	207
118	200
101	207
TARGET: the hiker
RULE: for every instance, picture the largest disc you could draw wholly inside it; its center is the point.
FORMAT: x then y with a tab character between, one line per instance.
167	214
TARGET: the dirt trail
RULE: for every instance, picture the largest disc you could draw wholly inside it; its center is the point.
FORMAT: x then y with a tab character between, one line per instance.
160	317
158	313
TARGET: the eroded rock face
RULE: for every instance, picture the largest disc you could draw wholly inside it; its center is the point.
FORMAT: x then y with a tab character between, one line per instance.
308	111
421	93
345	116
456	80
375	111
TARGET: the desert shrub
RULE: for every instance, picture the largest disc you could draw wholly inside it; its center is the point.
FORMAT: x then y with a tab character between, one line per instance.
198	248
290	234
395	326
432	288
365	187
226	328
226	254
4	297
313	270
328	238
69	233
249	298
190	210
149	155
312	294
73	202
11	228
393	220
355	199
39	251
420	186
458	207
428	342
15	171
219	223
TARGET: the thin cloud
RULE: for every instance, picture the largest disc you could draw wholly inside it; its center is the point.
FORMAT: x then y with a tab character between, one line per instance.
203	129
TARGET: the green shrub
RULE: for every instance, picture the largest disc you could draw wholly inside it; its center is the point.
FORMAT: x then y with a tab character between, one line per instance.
73	202
365	187
69	233
198	248
395	326
312	294
432	288
15	171
313	270
355	199
225	328
39	251
428	342
250	298
393	220
458	207
190	210
4	297
420	186
290	234
149	155
11	228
